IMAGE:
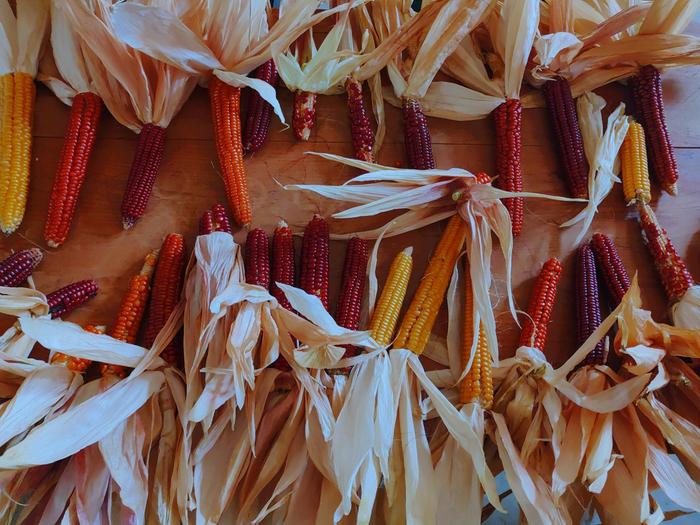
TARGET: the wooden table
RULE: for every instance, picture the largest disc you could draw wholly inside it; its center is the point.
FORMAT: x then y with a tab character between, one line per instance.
188	183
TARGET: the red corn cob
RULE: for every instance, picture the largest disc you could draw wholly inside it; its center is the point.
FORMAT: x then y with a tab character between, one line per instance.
259	112
66	299
76	364
352	289
544	294
304	116
562	112
417	136
673	272
509	170
215	220
282	262
649	105
147	159
257	258
360	125
314	259
587	303
72	168
17	268
608	261
165	294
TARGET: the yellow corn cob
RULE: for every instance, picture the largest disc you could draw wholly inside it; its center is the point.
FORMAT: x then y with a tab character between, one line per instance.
419	319
16	111
635	169
386	314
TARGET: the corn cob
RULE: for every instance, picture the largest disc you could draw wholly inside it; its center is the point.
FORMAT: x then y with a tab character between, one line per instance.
314	259
17	94
648	99
587	303
282	262
509	170
226	113
259	112
214	220
304	115
418	321
386	313
417	136
635	171
17	268
165	294
541	306
673	272
76	364
148	156
608	262
360	125
257	258
562	112
64	300
352	289
72	167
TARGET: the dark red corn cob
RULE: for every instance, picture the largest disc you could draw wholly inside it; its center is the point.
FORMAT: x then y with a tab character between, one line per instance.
304	116
417	136
587	303
673	272
257	258
147	159
66	299
259	112
541	306
17	268
562	112
215	220
282	262
608	261
648	101
509	170
315	259
360	125
352	289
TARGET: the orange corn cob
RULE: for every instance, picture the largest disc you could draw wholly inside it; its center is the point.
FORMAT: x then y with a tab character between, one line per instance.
419	147
259	112
509	170
76	364
282	262
541	306
17	268
214	220
608	262
633	164
315	259
257	258
64	300
72	167
352	289
226	113
588	315
360	125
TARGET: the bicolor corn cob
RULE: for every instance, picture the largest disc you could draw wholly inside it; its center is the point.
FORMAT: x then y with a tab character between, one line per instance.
315	262
541	306
352	289
304	114
673	272
64	300
386	313
633	162
610	266
282	262
477	385
649	105
259	112
76	364
588	316
360	124
509	170
72	167
226	113
132	309
165	294
17	93
562	112
419	147
257	258
418	321
214	220
17	268
148	156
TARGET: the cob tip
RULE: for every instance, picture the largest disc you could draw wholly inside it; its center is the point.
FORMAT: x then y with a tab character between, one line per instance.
408	251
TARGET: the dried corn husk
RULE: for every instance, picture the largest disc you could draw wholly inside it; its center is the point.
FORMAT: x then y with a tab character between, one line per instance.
22	35
686	312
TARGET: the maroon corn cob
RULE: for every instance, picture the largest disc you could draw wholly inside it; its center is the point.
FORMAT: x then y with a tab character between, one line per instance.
587	303
509	170
304	116
257	258
282	262
17	268
147	159
541	306
360	125
673	272
608	261
352	288
648	100
315	259
562	113
215	220
66	299
419	147
259	112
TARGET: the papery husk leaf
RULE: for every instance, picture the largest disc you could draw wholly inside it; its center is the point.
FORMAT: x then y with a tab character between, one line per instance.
669	17
520	19
686	312
465	65
31	25
454	102
672	478
68	54
8	38
621	21
22	301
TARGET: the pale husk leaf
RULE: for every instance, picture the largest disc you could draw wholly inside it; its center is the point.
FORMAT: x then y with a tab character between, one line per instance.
669	17
686	312
31	25
520	19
